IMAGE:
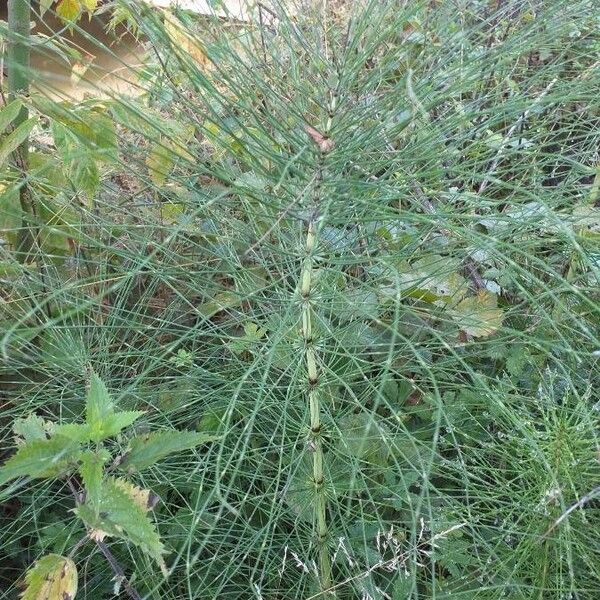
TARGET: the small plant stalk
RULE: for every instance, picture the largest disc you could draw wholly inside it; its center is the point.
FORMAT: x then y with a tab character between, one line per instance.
18	54
316	437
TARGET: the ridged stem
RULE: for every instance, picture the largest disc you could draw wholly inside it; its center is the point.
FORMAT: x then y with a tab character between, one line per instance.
316	437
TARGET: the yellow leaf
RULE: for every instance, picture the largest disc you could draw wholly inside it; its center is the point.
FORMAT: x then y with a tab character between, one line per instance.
479	315
90	5
143	498
53	577
68	10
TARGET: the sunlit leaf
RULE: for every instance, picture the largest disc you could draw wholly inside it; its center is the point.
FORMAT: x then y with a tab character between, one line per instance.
120	514
33	427
183	41
68	10
40	458
53	577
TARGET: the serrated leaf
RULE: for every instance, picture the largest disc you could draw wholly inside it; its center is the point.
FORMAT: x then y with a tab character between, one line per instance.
15	138
40	459
99	404
91	471
479	315
53	577
33	427
362	438
119	514
9	113
103	422
145	450
144	499
77	432
402	588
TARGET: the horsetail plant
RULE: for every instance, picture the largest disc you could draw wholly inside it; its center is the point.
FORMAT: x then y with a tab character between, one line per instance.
307	292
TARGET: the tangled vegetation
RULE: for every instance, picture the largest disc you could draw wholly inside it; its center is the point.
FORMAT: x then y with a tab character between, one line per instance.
336	267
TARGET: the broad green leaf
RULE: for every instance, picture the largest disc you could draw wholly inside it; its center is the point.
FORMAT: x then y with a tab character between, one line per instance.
40	459
479	315
103	422
145	450
15	138
160	161
116	422
53	577
9	113
402	587
85	174
99	404
120	515
91	471
76	432
33	427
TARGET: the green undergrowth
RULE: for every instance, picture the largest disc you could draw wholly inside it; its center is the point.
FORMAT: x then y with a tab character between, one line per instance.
358	247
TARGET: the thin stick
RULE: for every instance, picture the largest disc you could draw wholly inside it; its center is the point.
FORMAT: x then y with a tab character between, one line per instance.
580	504
118	571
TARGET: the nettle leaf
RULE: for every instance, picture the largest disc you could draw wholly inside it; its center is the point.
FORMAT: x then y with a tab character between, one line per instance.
144	499
479	315
77	432
33	427
92	472
99	404
146	450
120	513
53	577
101	419
40	459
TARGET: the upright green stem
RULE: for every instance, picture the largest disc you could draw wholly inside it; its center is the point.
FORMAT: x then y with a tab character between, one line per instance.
316	434
307	293
19	17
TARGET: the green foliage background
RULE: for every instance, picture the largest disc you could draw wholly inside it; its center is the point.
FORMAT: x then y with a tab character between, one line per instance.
450	166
